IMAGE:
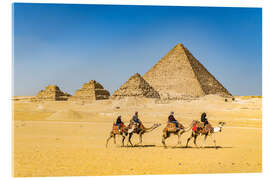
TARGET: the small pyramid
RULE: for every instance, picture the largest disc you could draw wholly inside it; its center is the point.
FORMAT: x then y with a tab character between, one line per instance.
91	91
52	93
180	74
136	86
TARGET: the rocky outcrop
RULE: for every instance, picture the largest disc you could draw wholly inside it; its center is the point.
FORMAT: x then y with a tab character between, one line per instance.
51	93
179	75
90	91
136	86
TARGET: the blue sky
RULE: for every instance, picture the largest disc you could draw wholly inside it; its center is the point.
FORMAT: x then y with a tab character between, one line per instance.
69	45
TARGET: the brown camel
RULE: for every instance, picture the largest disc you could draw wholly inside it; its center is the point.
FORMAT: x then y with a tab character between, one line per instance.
140	131
207	130
123	132
171	129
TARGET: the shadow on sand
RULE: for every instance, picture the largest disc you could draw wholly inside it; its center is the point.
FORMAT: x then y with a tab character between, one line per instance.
177	147
140	146
206	147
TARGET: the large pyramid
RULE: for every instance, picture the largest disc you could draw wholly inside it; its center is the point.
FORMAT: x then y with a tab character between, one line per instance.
179	74
136	86
90	91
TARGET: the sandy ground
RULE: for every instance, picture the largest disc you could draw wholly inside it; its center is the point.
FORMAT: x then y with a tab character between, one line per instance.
68	139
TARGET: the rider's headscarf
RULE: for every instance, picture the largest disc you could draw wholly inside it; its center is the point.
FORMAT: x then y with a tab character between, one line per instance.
203	116
172	113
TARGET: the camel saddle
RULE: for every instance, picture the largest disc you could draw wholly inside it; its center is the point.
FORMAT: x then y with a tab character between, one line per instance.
171	127
199	127
116	130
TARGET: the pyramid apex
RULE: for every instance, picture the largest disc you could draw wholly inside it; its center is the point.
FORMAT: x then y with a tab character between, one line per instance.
179	45
92	81
136	75
52	87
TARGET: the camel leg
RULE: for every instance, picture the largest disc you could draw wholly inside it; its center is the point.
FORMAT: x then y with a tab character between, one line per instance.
179	137
129	139
114	139
214	140
164	137
140	137
111	135
205	137
190	137
195	138
123	140
163	141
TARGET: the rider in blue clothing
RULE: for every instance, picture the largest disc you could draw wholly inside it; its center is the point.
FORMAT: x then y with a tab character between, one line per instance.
136	119
119	122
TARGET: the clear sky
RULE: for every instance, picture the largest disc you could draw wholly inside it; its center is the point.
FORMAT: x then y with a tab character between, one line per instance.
69	45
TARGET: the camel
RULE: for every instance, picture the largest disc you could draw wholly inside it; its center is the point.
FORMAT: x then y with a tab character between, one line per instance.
114	132
140	131
204	131
171	129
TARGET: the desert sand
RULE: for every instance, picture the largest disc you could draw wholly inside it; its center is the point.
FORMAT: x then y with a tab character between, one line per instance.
63	138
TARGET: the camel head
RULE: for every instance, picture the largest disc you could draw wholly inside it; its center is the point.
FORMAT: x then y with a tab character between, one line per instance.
220	124
156	125
219	128
153	127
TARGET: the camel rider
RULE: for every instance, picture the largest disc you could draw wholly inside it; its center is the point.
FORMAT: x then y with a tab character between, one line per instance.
119	122
136	119
204	119
171	119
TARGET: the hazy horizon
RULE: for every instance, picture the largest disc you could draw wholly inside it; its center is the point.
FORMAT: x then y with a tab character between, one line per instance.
69	45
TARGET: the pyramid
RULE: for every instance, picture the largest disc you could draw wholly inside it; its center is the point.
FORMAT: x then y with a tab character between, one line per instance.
179	74
90	91
136	86
52	93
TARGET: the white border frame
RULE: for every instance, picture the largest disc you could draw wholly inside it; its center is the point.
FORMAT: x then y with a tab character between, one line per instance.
6	81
